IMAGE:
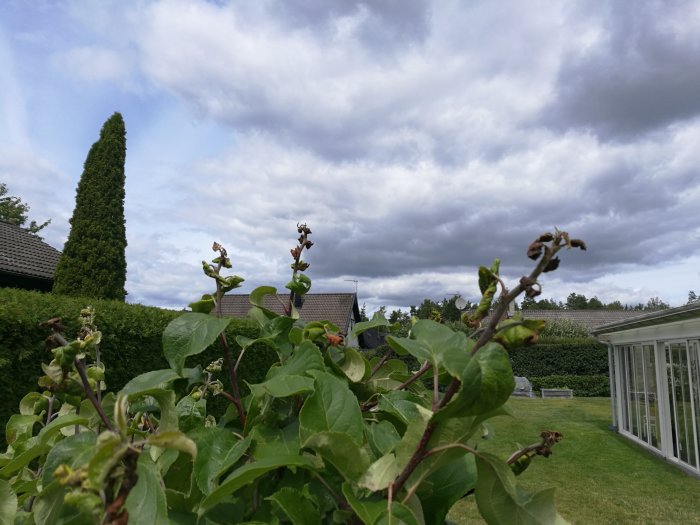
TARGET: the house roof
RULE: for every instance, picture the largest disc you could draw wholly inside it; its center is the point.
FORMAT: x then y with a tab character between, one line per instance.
658	317
588	318
338	308
24	254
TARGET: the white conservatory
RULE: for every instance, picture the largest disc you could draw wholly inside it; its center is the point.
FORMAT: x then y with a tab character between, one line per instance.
655	382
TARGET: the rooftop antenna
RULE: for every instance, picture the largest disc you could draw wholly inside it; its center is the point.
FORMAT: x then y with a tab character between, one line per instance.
352	281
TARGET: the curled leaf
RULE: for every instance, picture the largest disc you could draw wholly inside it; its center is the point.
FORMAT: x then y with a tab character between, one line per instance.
577	243
534	251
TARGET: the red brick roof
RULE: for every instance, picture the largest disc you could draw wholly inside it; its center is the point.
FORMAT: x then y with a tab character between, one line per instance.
24	254
338	308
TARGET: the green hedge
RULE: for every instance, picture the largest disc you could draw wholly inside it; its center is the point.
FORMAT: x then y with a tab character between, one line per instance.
131	341
584	357
583	386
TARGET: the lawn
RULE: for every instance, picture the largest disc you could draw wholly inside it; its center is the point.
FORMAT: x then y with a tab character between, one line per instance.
600	477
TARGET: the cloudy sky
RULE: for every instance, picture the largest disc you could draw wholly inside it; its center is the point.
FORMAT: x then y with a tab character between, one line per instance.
418	139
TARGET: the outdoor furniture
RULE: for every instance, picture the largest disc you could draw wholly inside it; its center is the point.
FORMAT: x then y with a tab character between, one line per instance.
557	393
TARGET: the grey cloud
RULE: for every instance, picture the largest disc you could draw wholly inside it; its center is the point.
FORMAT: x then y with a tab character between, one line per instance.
642	75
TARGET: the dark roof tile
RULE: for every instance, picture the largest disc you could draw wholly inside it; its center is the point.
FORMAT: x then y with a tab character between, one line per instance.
22	253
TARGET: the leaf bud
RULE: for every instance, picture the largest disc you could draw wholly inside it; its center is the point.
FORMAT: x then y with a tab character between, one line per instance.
216	246
308	244
296	252
534	251
552	265
578	243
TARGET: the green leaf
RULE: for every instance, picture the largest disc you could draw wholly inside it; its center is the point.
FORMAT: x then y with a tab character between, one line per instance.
415	428
296	335
487	383
248	473
48	504
445	486
204	306
381	473
8	504
19	427
341	451
502	502
378	321
146	502
174	439
33	403
383	437
109	450
400	404
190	334
516	333
20	461
155	379
306	357
283	386
300	284
57	424
218	450
400	515
191	413
332	407
367	509
74	451
270	440
257	296
296	506
354	365
437	344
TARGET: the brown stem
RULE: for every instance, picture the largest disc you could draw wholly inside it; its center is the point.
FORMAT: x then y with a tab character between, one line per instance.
90	393
423	369
381	362
501	307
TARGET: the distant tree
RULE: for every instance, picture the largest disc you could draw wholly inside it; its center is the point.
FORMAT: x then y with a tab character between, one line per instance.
449	310
93	263
363	313
656	304
576	301
692	297
615	305
427	310
595	304
543	304
14	211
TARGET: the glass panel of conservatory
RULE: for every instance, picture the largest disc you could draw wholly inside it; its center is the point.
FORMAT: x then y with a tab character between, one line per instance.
672	397
682	394
640	393
613	388
624	388
651	396
694	349
634	390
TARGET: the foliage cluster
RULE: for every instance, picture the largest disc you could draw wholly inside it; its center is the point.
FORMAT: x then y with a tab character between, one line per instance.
326	437
132	341
583	386
14	211
93	263
575	301
563	329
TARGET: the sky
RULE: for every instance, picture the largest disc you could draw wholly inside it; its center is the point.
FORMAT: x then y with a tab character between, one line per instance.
418	139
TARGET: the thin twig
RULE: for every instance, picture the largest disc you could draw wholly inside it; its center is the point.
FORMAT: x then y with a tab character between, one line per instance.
381	362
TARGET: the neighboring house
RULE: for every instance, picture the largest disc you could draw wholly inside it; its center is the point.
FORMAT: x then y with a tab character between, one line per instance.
588	318
25	260
341	309
655	382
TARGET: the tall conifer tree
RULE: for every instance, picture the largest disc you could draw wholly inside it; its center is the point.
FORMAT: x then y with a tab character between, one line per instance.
93	263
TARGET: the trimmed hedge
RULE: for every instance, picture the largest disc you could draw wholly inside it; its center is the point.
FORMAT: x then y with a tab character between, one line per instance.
586	357
131	342
583	386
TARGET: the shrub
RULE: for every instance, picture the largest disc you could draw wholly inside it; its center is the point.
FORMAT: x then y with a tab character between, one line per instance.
325	437
586	357
132	341
564	328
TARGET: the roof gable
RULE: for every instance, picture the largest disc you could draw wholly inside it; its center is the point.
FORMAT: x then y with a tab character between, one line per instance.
338	308
24	254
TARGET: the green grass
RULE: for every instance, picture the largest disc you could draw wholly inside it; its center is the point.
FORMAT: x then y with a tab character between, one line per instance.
600	477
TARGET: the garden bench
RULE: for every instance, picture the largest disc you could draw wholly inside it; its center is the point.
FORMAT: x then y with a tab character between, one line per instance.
557	393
